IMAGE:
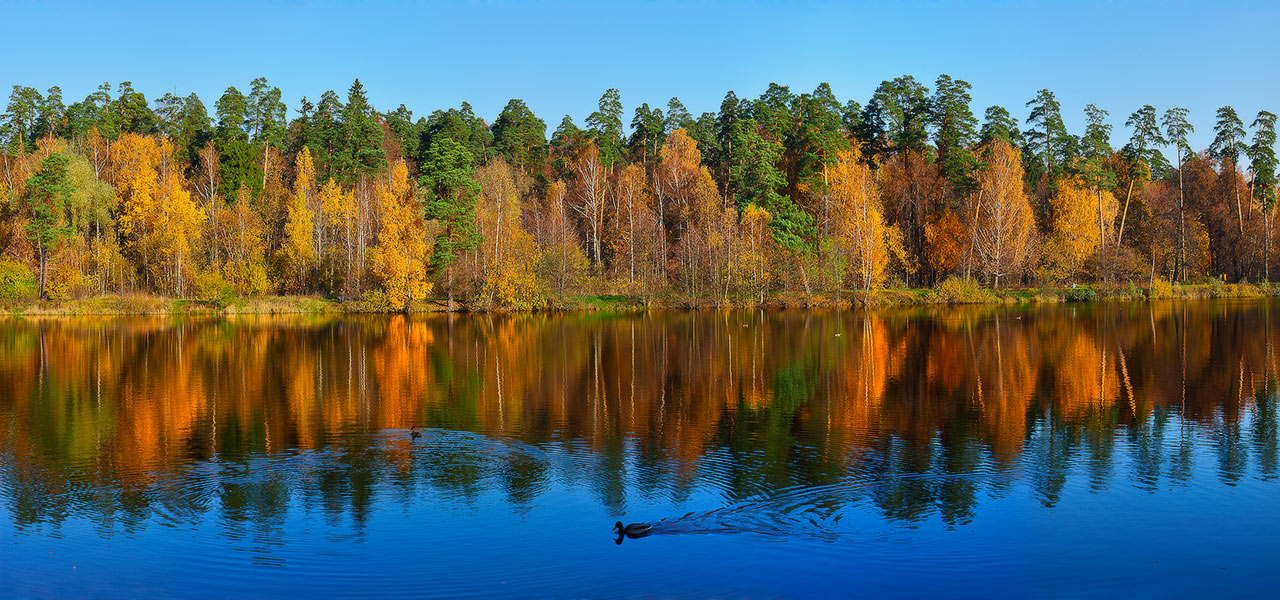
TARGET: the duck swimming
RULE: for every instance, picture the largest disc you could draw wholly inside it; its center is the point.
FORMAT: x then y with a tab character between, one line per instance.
414	433
634	530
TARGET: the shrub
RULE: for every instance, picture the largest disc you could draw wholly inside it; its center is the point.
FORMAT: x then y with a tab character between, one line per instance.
1160	288
1237	290
211	287
1079	294
16	281
372	301
65	281
955	290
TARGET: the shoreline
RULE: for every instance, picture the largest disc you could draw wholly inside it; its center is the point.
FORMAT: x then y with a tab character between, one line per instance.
151	305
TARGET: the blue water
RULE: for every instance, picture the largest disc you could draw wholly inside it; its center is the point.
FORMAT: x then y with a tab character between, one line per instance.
187	459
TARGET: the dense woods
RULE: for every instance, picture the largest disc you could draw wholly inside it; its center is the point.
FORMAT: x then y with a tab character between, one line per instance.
785	195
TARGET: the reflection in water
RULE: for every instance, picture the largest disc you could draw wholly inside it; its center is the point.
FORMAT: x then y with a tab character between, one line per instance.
788	420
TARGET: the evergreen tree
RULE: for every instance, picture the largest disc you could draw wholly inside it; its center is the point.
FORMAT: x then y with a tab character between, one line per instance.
462	126
998	124
955	131
133	115
1046	136
302	128
1262	159
1228	143
648	131
895	118
450	190
326	135
1228	138
605	125
678	117
774	114
1145	139
758	179
727	121
1095	164
265	114
1176	130
231	109
52	112
1140	155
519	135
703	131
48	193
566	137
17	123
400	122
820	137
358	149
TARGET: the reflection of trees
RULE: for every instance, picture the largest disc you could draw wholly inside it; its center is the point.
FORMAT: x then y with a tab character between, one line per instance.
926	407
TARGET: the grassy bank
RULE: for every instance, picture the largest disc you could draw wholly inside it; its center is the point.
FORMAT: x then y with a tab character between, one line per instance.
952	291
146	304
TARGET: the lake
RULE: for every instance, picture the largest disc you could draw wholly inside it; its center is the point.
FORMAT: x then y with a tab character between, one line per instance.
1071	450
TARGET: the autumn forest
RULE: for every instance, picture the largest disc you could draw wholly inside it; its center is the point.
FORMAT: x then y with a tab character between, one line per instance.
788	195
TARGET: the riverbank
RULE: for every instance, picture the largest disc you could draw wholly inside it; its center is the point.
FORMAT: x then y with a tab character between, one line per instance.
952	291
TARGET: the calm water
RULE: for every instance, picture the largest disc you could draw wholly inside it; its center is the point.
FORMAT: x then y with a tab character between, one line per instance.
1058	451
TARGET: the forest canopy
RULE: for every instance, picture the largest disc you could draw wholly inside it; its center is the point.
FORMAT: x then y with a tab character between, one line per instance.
786	193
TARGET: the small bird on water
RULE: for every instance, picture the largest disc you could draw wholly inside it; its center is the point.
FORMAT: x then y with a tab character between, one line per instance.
414	433
634	530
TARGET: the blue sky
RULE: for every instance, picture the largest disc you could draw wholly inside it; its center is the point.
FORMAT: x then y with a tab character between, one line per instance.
560	56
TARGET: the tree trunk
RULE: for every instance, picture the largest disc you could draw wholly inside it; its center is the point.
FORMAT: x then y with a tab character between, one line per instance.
449	284
43	270
1180	263
1125	214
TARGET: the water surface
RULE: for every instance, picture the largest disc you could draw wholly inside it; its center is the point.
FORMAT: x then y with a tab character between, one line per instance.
1054	451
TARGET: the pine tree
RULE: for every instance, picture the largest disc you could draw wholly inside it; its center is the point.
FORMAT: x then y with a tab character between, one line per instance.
1228	144
955	131
48	193
358	148
758	179
1047	138
647	132
1262	162
1140	154
606	127
998	124
1176	130
519	135
450	190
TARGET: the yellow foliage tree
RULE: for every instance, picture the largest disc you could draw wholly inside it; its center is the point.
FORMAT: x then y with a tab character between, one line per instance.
1083	220
859	228
400	258
509	254
337	212
1001	226
563	262
298	246
753	251
246	266
158	219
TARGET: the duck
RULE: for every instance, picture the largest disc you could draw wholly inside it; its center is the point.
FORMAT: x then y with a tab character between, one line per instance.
633	530
414	433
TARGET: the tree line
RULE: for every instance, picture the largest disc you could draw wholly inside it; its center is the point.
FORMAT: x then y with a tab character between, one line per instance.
787	194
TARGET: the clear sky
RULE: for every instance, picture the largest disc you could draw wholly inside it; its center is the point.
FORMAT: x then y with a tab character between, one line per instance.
560	56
